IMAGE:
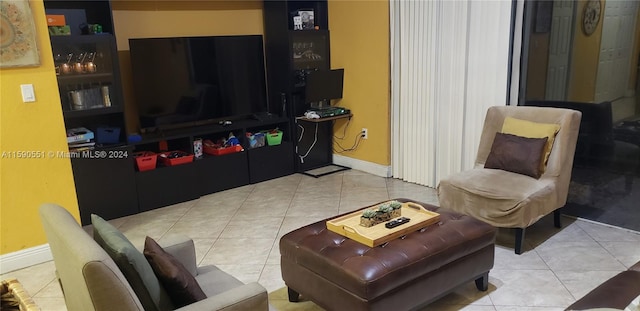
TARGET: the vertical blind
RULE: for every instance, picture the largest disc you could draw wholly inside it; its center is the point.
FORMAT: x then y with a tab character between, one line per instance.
449	64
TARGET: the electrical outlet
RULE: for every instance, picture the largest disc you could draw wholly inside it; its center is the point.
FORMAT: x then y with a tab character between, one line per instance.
364	133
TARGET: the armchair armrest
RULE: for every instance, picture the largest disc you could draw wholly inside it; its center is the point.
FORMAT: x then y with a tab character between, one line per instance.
183	249
250	296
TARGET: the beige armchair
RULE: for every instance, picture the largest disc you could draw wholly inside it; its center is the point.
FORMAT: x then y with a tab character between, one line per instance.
510	200
91	280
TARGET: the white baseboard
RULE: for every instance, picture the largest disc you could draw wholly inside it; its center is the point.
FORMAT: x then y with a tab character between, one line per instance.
369	167
25	258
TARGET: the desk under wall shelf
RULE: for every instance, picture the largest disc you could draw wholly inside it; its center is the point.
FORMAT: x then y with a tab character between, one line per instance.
317	149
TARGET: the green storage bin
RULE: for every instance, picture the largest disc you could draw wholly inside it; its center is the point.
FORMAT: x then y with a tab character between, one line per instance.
273	138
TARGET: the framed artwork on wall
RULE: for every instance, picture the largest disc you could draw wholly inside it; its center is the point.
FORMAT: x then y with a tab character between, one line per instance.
18	40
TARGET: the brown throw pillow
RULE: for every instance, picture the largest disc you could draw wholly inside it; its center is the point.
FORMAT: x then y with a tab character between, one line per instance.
516	154
181	286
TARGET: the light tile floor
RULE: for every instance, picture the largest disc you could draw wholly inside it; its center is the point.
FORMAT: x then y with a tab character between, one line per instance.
238	230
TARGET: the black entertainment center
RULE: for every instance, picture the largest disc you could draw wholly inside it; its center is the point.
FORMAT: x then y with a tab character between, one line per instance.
190	90
204	88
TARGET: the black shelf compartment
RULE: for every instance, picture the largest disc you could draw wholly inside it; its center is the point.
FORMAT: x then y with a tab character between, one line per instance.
320	12
270	162
85	78
237	127
93	120
166	186
222	172
102	44
105	186
309	50
91	112
95	11
67	51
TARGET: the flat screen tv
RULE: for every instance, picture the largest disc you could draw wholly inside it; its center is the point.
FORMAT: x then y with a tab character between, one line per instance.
186	81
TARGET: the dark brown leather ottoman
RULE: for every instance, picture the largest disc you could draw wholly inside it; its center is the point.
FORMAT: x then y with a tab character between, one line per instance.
338	273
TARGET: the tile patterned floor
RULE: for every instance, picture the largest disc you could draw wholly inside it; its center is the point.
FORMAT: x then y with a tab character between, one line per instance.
558	266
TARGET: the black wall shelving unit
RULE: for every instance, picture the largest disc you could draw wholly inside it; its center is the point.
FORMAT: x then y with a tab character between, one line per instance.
114	187
87	63
291	54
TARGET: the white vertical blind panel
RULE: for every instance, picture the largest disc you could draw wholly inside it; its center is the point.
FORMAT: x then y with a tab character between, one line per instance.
395	89
451	84
488	65
449	64
411	77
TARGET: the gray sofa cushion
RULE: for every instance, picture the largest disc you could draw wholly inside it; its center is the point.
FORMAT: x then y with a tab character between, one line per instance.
133	265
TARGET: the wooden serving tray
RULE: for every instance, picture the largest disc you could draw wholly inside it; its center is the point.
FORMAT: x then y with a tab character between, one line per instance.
349	225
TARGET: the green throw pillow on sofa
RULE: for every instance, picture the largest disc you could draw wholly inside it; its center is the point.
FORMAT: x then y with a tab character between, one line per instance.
132	264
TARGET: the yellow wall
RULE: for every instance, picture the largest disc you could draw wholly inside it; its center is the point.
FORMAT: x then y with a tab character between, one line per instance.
38	126
360	44
144	19
584	60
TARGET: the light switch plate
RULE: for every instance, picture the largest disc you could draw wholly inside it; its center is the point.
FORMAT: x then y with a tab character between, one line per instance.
28	95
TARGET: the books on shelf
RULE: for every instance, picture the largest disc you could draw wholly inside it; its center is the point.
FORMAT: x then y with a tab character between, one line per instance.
79	134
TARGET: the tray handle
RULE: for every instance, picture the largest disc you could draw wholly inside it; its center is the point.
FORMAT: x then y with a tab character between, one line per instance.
415	206
350	230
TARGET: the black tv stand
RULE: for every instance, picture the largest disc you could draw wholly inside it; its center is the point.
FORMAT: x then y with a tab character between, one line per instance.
264	116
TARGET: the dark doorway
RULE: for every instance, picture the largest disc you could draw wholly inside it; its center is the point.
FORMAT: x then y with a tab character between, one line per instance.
584	55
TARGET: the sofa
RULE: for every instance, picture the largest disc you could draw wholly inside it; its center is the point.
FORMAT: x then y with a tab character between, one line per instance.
91	279
617	292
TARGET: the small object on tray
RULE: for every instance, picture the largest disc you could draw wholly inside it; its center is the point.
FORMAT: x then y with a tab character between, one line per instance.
382	213
397	222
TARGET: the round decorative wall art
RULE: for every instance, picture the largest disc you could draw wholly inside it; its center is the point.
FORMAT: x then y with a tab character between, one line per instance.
18	41
591	16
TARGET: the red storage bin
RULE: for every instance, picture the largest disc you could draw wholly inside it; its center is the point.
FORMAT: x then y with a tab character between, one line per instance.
145	160
221	151
212	148
182	158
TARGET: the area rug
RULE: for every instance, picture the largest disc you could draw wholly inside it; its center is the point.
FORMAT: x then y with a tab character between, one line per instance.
279	299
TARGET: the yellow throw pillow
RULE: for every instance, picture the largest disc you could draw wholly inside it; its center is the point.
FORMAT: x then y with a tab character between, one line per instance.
533	130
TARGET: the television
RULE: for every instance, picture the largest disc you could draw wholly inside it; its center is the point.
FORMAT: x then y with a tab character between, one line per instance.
323	86
188	81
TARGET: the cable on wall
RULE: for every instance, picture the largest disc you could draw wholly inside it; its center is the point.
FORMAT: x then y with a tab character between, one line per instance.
353	147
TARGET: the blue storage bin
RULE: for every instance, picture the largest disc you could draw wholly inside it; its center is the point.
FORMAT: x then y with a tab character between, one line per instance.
256	140
108	135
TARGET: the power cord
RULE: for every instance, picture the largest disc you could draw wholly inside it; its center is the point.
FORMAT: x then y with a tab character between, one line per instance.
355	145
315	139
344	131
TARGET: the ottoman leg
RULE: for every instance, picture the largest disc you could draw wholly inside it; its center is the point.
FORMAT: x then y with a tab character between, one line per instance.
293	295
482	283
